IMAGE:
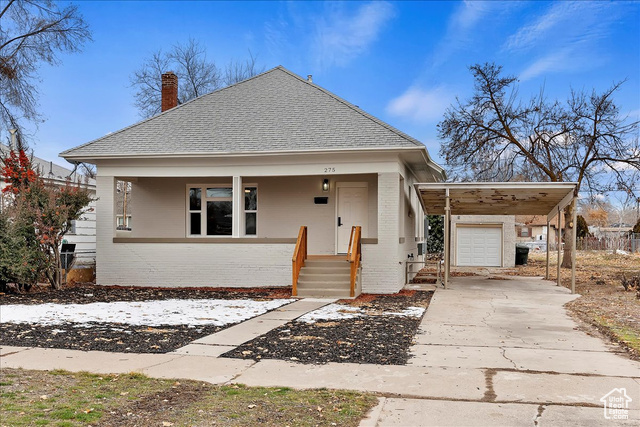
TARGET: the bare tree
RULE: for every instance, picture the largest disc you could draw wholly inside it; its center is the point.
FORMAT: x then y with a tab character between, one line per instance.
196	75
495	135
32	32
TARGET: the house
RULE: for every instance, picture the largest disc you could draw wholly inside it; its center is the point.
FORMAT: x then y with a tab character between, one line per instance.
483	240
83	231
222	187
532	230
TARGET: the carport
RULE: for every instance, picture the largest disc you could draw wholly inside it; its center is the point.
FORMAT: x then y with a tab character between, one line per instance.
500	198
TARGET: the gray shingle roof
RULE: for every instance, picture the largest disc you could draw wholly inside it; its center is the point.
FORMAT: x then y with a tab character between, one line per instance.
274	111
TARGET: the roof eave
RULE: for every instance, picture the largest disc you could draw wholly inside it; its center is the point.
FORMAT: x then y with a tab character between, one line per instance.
90	158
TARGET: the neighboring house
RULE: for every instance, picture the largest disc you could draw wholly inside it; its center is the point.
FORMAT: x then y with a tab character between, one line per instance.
221	185
532	230
483	240
83	231
613	231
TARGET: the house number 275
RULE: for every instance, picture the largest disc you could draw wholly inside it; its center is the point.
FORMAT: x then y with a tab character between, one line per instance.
328	170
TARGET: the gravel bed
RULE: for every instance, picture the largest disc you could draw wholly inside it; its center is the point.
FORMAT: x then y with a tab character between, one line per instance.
375	337
114	337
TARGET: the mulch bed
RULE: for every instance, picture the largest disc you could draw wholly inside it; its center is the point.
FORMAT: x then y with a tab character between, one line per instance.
117	337
376	338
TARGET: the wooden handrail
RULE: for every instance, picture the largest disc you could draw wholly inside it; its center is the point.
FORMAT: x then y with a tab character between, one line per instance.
354	255
299	256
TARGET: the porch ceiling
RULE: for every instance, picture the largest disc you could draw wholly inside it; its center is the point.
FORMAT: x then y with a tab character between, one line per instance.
496	198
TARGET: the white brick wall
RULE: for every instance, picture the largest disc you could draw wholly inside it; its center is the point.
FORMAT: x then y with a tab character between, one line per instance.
381	270
185	264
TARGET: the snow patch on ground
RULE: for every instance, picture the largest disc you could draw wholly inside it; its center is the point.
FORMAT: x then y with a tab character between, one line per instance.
340	311
331	312
148	313
408	312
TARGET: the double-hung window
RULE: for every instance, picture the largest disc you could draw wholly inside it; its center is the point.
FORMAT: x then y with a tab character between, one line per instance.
250	210
210	210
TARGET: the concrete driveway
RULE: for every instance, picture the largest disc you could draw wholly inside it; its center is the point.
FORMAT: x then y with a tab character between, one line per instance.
539	368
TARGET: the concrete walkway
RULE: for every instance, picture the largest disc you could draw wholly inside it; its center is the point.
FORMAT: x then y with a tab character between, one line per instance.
219	343
489	352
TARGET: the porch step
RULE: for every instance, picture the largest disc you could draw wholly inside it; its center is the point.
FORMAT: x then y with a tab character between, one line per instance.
324	293
327	262
326	277
318	276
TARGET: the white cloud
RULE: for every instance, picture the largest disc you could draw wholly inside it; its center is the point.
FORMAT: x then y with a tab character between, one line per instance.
554	61
530	34
564	38
420	105
459	28
340	37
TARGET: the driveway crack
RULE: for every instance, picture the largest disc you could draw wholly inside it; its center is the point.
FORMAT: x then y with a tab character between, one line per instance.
541	409
504	354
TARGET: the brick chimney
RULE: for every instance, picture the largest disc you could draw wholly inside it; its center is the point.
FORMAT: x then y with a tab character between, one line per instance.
169	90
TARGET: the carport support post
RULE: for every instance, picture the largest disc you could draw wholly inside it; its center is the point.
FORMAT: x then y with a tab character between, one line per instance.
447	232
559	249
574	237
546	274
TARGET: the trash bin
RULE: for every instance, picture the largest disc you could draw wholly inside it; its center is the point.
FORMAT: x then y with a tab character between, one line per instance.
522	254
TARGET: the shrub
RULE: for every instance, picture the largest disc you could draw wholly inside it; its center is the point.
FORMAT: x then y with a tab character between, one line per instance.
632	284
34	223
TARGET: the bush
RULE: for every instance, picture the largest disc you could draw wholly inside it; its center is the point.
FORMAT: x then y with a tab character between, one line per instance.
435	242
34	223
632	284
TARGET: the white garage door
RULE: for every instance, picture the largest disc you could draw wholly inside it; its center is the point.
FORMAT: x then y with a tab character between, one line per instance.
479	246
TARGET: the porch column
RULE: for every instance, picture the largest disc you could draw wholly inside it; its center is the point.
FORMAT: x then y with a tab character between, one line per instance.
574	237
546	274
447	243
559	241
238	199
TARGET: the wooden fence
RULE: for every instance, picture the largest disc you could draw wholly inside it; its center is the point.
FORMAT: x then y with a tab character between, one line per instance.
621	243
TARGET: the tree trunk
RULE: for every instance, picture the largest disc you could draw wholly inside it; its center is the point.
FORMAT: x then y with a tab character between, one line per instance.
56	277
568	235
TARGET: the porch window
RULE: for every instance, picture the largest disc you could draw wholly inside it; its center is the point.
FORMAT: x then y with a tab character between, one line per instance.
250	210
210	209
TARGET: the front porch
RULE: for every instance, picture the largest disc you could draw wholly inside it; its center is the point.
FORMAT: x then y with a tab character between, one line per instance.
240	231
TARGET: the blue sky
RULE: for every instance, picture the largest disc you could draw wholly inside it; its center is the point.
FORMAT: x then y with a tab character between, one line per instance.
403	62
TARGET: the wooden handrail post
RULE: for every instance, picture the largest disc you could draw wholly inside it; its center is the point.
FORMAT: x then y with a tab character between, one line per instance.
354	256
299	256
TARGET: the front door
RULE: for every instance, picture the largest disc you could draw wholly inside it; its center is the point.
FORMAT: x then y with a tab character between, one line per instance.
352	210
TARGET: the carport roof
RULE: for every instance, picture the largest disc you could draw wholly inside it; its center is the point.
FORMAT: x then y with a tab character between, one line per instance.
496	198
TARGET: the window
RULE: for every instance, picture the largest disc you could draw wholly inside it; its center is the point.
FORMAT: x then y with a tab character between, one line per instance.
72	228
121	225
250	210
210	210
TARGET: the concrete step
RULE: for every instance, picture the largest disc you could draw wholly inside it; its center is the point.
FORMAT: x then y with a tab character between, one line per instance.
326	270
326	284
324	277
330	262
323	293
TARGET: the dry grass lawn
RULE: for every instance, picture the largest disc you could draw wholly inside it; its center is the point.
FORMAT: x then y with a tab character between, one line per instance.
603	303
65	399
